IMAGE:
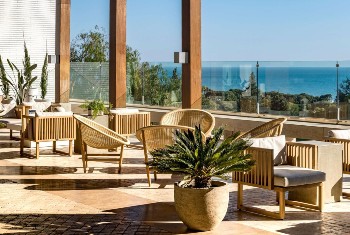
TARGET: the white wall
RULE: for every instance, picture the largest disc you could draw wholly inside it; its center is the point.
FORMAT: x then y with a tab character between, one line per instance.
33	21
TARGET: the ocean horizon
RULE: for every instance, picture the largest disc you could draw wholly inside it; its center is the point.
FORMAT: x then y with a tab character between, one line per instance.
314	81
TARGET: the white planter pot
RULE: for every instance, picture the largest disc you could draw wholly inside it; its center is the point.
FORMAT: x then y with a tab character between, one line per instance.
202	209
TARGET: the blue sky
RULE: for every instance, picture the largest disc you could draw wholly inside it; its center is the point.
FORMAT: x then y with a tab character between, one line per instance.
232	30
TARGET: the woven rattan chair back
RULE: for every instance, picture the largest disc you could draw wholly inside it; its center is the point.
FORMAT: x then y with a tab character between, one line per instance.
268	129
155	137
191	118
100	137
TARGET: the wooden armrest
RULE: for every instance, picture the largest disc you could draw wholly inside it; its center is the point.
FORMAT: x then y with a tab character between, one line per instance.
302	154
26	116
262	173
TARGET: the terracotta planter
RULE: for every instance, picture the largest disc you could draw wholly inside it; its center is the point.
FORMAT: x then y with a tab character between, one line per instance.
202	209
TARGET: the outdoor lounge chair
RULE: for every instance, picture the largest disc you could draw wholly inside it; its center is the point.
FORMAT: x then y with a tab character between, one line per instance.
47	126
154	137
342	137
268	129
298	172
191	118
99	137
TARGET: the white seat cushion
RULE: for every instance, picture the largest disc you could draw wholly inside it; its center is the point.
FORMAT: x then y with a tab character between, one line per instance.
287	176
124	111
277	143
11	120
339	134
14	126
51	114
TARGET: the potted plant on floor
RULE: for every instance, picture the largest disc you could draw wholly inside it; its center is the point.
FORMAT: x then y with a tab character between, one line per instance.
201	202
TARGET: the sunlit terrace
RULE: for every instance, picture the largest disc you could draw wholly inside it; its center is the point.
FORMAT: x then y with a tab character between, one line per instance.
174	117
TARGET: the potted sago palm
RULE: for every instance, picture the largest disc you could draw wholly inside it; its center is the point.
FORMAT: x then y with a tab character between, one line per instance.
200	201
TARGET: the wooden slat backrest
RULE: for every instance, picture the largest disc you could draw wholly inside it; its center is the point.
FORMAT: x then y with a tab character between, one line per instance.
262	173
128	124
54	128
302	155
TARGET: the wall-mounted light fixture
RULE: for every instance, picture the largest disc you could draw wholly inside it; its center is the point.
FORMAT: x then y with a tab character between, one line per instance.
181	57
53	59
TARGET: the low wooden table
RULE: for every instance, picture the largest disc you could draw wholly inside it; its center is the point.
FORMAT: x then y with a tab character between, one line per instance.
329	160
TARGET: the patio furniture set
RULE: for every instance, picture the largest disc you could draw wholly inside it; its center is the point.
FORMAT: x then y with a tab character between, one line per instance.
280	166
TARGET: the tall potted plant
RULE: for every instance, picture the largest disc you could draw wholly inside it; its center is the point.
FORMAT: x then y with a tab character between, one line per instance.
201	202
43	81
21	80
5	88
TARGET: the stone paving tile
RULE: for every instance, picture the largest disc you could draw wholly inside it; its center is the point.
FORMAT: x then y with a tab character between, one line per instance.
52	195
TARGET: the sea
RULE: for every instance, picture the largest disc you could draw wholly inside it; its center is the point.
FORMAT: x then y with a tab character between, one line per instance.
312	80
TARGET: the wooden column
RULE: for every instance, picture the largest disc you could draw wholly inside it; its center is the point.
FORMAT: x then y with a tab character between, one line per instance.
117	53
62	48
191	43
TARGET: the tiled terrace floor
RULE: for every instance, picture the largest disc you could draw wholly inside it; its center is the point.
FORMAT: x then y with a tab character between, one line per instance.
52	195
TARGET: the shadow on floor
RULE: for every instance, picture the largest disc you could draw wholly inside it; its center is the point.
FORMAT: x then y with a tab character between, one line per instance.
36	170
329	223
75	224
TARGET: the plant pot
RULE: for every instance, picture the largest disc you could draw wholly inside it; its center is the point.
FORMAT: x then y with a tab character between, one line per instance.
99	113
6	101
42	100
202	209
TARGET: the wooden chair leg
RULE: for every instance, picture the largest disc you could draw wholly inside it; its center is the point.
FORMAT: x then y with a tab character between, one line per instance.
54	146
11	135
70	148
83	156
282	203
148	176
240	196
21	145
155	175
320	197
121	159
37	149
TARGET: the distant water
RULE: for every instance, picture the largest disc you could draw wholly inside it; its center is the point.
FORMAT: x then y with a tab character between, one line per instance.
289	80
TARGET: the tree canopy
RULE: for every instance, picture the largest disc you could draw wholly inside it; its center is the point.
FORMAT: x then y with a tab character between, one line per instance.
91	46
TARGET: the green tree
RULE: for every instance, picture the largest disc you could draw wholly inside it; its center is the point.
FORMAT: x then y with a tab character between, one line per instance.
344	91
92	46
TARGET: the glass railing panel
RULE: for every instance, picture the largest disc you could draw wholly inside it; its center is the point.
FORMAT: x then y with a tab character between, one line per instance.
154	83
89	80
344	89
300	89
229	86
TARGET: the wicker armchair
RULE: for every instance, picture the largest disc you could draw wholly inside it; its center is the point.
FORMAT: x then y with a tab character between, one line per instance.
191	118
268	129
154	137
100	137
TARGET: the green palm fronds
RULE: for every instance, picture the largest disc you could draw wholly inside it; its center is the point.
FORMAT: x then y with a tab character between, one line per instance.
199	159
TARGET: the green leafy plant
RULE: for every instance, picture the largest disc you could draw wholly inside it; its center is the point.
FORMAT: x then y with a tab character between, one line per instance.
5	88
43	80
200	161
21	80
96	106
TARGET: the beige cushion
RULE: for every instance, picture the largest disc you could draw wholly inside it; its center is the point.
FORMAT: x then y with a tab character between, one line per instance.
39	106
59	109
124	111
50	114
276	143
11	120
8	110
14	126
287	176
339	134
